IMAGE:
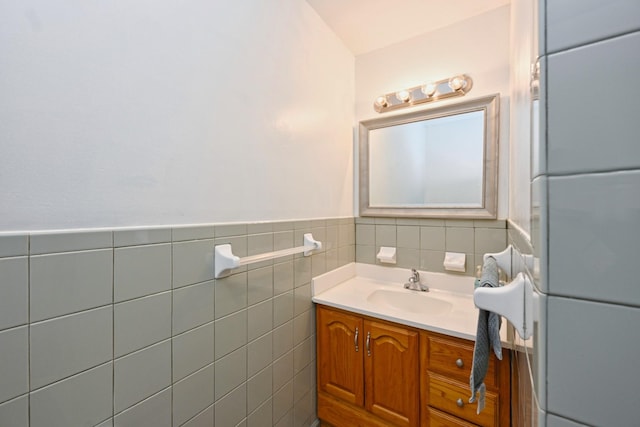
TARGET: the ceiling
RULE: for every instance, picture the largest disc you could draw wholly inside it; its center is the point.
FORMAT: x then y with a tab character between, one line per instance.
366	25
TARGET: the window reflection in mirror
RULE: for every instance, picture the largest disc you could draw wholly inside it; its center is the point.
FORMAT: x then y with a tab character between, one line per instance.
433	163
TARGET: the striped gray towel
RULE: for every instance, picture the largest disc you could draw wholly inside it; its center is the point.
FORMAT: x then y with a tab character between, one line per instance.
487	337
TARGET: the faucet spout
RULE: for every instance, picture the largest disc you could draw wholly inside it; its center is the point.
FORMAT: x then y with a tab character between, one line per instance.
414	283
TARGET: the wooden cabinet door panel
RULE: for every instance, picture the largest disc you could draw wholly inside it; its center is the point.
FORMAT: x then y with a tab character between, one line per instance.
340	350
392	373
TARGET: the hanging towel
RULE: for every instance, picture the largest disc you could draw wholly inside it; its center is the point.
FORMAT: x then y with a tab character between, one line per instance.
487	336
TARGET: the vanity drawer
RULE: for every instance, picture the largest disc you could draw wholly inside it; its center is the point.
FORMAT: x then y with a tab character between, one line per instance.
454	357
442	419
453	397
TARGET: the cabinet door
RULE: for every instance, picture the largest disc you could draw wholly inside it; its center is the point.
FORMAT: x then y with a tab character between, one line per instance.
391	372
340	352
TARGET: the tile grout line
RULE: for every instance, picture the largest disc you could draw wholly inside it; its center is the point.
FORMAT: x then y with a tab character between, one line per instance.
29	330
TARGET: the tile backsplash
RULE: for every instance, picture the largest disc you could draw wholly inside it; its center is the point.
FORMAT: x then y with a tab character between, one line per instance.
128	327
422	243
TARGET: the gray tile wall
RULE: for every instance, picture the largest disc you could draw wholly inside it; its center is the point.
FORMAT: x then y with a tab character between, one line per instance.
586	211
130	328
422	243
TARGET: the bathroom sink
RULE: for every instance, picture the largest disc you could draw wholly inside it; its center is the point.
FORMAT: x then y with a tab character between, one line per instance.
411	301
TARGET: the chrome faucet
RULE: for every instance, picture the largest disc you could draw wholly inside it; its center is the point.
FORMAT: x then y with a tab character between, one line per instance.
414	282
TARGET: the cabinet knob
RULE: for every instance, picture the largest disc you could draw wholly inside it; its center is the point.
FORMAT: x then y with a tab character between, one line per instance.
460	402
459	363
355	340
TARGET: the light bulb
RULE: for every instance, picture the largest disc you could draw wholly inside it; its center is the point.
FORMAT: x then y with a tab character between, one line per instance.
381	101
429	89
457	82
403	95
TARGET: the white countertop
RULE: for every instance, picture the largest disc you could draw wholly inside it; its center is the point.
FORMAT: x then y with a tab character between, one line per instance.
349	288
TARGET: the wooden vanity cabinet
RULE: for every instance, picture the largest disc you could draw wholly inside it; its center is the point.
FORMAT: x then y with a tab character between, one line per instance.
444	384
368	371
377	373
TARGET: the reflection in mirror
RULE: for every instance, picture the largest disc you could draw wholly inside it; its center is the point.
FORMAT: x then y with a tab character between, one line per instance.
433	163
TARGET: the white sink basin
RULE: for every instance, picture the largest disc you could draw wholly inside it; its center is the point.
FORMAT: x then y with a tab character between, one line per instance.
410	301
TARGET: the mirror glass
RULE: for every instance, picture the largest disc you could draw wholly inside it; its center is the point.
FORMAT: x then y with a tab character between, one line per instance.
434	163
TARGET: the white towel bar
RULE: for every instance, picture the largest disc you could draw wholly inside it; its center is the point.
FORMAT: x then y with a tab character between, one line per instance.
225	260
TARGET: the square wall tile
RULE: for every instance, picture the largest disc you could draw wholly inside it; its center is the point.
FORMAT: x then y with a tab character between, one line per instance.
366	234
366	254
15	413
331	237
70	282
318	264
302	356
432	261
192	232
576	127
303	381
192	306
229	230
408	258
14	292
572	23
490	240
594	235
12	245
193	394
232	409
230	371
303	326
193	350
141	374
231	333
205	418
302	271
282	402
232	294
590	349
282	340
141	236
141	322
282	308
408	237
141	271
82	400
152	412
282	277
68	241
67	345
260	284
282	371
14	363
261	417
259	354
459	239
385	235
259	390
432	238
259	319
192	262
302	299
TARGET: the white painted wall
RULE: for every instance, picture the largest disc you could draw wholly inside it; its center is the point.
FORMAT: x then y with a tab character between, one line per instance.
143	113
478	47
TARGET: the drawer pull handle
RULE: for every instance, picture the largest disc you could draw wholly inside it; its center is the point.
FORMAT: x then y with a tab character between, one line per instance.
460	402
459	363
368	344
355	340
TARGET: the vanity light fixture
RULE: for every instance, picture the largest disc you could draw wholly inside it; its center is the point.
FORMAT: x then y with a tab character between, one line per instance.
433	91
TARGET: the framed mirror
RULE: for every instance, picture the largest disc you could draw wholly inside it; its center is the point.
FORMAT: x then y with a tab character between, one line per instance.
435	163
